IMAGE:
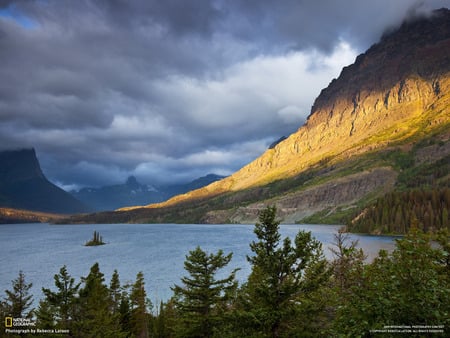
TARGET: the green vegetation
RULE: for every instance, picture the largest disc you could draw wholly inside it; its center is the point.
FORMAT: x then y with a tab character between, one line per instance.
292	291
339	215
18	300
427	175
96	240
396	211
284	283
413	175
408	287
202	300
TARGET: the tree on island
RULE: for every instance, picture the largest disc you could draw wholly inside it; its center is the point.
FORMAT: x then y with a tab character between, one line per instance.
96	240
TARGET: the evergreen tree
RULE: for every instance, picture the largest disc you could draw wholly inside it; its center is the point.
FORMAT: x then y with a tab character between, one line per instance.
165	322
45	315
95	318
348	262
125	312
202	298
283	282
63	301
18	300
410	286
139	308
347	267
115	292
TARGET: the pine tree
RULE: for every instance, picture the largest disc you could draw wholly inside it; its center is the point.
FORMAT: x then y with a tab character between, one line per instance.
45	316
63	301
202	298
125	312
18	300
348	262
95	318
115	292
283	280
139	308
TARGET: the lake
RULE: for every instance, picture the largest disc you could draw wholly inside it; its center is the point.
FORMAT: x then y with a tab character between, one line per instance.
158	250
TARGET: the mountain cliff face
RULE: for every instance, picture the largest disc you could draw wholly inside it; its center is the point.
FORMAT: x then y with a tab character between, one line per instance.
364	132
388	94
24	186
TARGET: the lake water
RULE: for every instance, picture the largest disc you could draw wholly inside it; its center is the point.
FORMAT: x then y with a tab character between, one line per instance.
158	250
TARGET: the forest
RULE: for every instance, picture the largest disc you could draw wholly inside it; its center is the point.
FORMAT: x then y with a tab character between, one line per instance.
395	212
292	291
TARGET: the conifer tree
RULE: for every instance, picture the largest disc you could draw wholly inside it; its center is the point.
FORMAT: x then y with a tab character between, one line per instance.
45	315
139	307
283	280
348	262
115	292
95	318
125	312
202	297
18	300
63	301
409	286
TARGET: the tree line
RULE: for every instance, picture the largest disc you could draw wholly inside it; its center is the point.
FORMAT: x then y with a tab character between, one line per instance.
292	291
396	211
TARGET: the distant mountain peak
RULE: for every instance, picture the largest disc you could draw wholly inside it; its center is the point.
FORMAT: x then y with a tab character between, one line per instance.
133	193
132	182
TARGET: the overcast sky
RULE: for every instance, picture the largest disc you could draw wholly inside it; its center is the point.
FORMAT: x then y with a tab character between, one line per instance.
171	90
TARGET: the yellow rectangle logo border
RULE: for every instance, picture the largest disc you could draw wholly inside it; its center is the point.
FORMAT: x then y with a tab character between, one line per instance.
8	321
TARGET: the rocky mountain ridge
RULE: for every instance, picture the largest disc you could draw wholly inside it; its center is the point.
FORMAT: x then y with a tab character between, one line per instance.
378	111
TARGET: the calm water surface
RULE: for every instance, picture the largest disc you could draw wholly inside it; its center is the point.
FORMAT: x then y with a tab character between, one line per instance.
158	250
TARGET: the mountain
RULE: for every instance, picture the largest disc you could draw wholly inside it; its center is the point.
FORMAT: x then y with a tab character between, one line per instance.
134	193
115	196
385	120
24	186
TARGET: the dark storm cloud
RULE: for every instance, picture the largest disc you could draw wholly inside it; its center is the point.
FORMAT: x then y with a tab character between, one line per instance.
171	90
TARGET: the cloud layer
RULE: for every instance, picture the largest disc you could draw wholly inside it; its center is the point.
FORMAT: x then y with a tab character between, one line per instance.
171	90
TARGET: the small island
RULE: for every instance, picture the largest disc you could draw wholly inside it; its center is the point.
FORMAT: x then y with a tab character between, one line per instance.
96	240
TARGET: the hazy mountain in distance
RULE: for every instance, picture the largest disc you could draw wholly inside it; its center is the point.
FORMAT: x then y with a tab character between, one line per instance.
133	193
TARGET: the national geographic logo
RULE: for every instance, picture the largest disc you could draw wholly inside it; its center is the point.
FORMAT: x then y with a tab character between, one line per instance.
8	321
14	322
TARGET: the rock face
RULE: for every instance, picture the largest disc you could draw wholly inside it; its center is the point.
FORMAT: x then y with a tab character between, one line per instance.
393	96
383	97
297	205
397	87
24	186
